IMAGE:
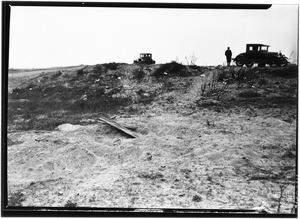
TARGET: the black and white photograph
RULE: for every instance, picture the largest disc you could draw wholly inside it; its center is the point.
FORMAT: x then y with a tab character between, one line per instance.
150	107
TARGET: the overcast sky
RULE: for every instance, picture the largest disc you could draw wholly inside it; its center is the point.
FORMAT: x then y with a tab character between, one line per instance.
64	36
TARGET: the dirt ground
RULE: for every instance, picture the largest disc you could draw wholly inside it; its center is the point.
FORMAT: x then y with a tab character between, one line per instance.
193	151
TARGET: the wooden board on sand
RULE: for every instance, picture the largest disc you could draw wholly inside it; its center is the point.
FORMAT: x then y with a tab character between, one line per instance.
119	127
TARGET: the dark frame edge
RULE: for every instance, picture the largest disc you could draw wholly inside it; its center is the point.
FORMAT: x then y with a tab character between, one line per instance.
132	213
143	5
5	63
6	12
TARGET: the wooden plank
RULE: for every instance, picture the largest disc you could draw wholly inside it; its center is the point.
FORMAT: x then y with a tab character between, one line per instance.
119	127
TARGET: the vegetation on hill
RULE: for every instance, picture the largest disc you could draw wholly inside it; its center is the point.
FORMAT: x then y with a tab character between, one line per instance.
50	100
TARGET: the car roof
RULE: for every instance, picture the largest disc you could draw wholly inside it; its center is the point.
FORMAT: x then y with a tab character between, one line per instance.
145	53
256	44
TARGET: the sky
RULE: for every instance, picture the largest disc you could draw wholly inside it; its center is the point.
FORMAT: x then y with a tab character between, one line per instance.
43	37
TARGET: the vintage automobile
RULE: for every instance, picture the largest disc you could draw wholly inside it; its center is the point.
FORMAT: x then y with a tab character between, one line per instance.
145	58
258	53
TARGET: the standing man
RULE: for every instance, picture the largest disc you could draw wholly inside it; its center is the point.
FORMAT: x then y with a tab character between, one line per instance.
228	55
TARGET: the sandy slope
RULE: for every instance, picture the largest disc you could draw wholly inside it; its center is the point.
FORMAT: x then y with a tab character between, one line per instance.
175	159
184	157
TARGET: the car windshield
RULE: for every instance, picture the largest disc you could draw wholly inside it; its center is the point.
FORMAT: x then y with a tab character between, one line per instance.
264	48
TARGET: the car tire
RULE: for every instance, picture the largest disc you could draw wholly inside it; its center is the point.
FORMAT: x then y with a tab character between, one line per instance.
284	63
249	64
239	62
274	62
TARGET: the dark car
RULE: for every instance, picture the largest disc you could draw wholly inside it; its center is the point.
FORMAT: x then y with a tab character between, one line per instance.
258	53
145	58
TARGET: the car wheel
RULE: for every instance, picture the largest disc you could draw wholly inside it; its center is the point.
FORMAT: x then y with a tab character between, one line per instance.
273	62
284	63
239	62
249	64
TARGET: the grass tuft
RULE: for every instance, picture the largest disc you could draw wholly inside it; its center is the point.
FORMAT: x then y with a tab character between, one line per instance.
16	199
70	204
249	94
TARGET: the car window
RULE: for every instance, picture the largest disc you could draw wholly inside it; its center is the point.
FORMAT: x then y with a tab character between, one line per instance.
264	48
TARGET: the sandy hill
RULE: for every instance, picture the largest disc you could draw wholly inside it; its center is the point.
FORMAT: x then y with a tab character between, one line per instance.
214	138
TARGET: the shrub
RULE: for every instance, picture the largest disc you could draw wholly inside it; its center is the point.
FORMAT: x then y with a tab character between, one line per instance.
56	75
151	175
80	72
110	66
195	67
197	198
138	74
70	204
249	94
171	69
290	152
214	88
98	69
223	76
16	199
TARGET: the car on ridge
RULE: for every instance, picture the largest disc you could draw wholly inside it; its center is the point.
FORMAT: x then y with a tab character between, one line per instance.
259	53
145	58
